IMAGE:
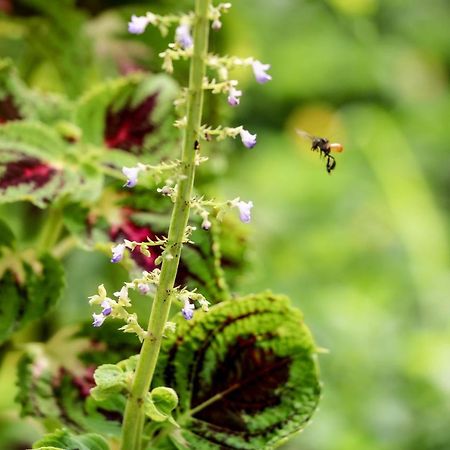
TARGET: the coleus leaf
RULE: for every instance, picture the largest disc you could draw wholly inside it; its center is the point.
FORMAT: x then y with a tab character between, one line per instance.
29	286
38	165
17	101
245	372
213	263
131	114
53	387
65	440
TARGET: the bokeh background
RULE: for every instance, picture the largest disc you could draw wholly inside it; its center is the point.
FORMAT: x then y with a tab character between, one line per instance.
363	252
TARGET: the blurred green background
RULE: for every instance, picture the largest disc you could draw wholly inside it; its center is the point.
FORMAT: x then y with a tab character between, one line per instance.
364	252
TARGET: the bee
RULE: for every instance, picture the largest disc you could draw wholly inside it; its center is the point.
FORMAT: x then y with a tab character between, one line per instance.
324	146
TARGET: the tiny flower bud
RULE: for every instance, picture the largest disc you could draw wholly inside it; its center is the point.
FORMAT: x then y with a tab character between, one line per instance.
170	326
106	305
188	310
223	73
248	139
206	224
244	210
233	96
259	70
98	320
165	190
122	295
98	298
117	252
137	24
144	288
183	36
216	25
132	175
204	304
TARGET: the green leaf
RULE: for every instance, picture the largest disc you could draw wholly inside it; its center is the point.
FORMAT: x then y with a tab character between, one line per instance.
7	238
44	289
246	373
38	165
165	399
25	103
28	289
64	440
132	113
159	404
110	379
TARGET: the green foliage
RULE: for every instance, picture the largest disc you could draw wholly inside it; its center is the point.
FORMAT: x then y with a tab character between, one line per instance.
216	259
64	440
112	379
29	286
55	167
159	404
18	101
140	105
56	388
54	43
245	372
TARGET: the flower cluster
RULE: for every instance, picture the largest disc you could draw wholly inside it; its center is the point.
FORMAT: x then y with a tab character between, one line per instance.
156	171
185	297
182	49
118	250
204	208
117	308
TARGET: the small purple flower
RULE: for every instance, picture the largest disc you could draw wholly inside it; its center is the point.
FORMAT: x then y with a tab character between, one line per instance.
183	36
248	139
132	175
98	320
137	24
233	96
106	311
244	210
259	69
188	310
117	252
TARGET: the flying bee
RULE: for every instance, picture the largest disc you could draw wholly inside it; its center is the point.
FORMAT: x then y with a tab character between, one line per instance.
324	146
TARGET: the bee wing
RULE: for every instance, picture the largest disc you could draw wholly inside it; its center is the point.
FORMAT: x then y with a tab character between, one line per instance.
304	134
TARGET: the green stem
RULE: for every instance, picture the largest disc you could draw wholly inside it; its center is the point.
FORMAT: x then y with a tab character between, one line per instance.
134	413
50	231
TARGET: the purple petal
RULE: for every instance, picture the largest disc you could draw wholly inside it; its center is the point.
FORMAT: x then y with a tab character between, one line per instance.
137	24
259	70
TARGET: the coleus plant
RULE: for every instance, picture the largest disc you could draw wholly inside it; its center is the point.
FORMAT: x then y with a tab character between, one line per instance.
226	371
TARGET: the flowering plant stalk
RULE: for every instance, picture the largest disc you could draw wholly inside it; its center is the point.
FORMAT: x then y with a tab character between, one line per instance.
134	412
